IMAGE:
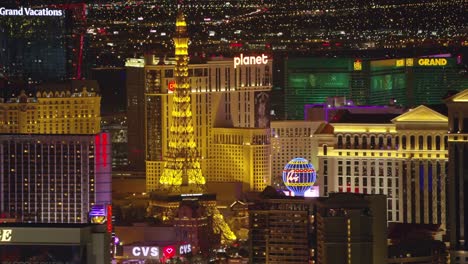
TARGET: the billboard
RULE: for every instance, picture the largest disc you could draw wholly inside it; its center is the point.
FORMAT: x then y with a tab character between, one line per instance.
388	82
262	110
311	81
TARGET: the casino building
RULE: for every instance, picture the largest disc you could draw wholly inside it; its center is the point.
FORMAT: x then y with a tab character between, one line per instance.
231	116
54	243
41	43
401	81
55	161
403	156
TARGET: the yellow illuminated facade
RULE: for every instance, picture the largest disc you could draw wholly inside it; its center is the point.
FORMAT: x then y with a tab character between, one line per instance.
222	96
406	160
58	112
289	140
241	155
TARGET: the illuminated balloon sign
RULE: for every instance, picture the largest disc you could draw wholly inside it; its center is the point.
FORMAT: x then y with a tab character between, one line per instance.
98	214
299	176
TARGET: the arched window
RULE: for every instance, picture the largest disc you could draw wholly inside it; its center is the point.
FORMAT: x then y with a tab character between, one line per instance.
412	142
437	142
364	142
340	141
356	142
397	142
389	142
372	142
445	143
421	142
348	142
429	142
381	142
403	142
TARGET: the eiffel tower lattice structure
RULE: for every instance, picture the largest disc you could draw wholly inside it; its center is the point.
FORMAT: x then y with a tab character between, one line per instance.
182	173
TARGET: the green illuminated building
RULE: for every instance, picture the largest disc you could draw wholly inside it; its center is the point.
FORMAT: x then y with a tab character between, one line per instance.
312	80
404	81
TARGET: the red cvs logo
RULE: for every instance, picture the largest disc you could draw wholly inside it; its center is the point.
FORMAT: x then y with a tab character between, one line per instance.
169	251
292	177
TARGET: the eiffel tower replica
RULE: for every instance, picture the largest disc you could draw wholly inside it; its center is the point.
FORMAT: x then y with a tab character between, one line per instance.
182	179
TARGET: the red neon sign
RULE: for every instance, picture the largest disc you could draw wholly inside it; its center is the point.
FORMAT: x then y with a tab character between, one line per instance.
169	252
109	218
171	86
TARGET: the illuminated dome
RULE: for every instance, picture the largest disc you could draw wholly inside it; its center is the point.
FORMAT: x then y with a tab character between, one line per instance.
299	176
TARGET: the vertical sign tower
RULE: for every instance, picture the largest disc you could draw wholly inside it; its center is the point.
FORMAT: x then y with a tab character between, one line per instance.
182	173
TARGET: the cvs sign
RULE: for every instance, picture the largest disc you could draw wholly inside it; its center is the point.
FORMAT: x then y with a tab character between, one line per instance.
184	249
145	251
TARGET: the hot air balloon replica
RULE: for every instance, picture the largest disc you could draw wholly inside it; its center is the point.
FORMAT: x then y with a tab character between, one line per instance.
299	176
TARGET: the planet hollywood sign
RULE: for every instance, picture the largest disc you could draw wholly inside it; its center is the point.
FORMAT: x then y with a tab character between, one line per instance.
26	11
250	60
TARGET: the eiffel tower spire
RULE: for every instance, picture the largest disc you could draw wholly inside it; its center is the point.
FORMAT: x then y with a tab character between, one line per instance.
182	172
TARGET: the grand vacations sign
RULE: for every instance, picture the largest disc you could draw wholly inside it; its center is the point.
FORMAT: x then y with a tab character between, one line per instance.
27	11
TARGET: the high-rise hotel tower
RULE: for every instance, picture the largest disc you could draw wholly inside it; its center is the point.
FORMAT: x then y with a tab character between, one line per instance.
55	164
230	110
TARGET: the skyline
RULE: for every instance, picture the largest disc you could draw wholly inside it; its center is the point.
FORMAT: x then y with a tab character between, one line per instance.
233	132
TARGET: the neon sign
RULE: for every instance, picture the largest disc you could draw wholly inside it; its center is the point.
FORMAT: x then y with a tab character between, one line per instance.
184	249
357	66
171	85
250	60
26	11
6	235
169	252
292	177
145	251
432	62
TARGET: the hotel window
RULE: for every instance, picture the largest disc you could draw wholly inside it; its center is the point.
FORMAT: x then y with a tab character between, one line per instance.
389	142
364	142
372	142
412	142
429	143
340	142
403	142
348	142
356	142
381	142
421	142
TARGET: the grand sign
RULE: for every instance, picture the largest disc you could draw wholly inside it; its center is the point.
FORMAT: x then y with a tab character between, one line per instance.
250	60
26	11
6	235
432	62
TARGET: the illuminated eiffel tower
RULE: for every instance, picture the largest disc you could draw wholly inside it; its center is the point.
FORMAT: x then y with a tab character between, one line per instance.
182	172
182	176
